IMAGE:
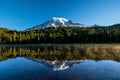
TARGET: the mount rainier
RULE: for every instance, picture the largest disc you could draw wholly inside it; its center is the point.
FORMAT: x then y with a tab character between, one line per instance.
56	22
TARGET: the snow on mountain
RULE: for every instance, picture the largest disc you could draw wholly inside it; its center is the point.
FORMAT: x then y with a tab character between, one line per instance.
56	22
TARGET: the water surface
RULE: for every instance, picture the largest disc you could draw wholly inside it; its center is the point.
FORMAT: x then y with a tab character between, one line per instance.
60	62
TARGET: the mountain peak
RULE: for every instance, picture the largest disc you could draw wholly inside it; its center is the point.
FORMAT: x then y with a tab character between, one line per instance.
56	22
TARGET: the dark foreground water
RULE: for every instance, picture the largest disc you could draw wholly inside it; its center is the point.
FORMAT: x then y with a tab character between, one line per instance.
27	69
91	62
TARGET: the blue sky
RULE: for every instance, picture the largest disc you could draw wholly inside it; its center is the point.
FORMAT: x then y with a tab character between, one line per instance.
22	14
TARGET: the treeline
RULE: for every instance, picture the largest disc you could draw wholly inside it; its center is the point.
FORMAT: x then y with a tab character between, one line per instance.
96	34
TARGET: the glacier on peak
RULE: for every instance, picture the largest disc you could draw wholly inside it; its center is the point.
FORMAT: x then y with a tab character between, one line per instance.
60	19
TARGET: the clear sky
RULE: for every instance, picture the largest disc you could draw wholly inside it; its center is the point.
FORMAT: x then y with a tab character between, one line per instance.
22	14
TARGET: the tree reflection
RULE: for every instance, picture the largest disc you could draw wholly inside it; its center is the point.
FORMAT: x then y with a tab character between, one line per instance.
61	52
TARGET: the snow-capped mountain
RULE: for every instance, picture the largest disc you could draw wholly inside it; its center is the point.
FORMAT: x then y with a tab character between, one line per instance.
56	22
57	65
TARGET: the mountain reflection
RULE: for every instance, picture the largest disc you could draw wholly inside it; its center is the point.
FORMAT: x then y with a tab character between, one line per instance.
57	65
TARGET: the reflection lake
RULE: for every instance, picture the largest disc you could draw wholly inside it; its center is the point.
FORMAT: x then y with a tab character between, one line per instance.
60	62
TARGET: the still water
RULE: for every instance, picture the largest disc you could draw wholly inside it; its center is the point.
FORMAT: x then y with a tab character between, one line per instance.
60	62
